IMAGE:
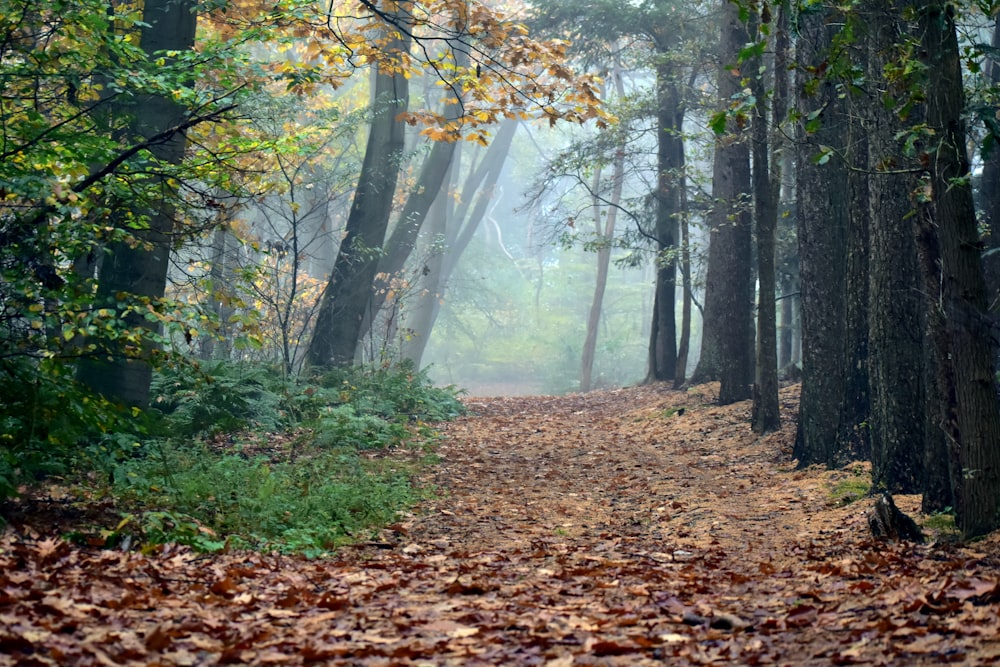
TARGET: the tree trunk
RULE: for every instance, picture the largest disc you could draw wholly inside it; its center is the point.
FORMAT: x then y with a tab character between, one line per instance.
420	315
477	193
669	164
684	343
822	234
854	438
989	192
348	294
726	351
895	331
961	325
765	414
140	269
607	236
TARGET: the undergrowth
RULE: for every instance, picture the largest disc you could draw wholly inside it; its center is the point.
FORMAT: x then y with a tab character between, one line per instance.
234	456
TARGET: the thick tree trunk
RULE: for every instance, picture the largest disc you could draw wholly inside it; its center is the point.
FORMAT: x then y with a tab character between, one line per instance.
822	235
348	295
854	439
140	269
961	324
726	351
895	322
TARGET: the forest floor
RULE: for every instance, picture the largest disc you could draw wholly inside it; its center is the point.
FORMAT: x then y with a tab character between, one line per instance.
613	528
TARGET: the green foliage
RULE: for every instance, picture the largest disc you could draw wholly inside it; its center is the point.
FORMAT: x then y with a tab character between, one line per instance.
304	492
199	496
852	489
343	426
44	415
225	398
393	391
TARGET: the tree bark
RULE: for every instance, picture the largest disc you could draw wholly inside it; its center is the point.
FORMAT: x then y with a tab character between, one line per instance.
854	438
822	235
669	164
140	269
961	324
348	293
765	414
895	322
726	351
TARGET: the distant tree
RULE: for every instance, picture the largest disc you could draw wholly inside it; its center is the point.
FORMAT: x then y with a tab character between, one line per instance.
449	236
507	71
348	292
605	212
670	27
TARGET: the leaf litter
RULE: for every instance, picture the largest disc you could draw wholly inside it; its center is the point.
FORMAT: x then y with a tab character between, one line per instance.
638	526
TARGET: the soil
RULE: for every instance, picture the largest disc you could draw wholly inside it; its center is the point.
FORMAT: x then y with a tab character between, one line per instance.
639	526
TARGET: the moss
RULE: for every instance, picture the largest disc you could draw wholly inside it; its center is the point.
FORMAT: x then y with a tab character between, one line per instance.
849	490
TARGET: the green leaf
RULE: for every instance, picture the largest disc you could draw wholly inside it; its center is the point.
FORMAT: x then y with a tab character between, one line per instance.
718	123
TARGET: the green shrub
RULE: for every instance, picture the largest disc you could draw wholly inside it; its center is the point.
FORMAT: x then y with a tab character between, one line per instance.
394	391
310	504
45	415
307	491
224	398
342	426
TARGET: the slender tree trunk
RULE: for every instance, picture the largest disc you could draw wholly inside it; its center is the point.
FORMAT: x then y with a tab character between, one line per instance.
765	415
961	324
822	234
140	269
348	294
420	315
670	156
607	235
216	302
477	193
726	350
684	343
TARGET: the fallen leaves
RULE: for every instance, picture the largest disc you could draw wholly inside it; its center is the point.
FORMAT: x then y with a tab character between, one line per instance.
585	530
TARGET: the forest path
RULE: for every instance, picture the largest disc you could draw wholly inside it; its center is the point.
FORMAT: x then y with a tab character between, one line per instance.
605	529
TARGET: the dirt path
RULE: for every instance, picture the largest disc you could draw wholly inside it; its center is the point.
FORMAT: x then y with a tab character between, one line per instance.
607	529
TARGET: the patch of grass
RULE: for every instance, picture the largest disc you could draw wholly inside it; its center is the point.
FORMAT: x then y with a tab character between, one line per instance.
207	499
942	525
847	491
